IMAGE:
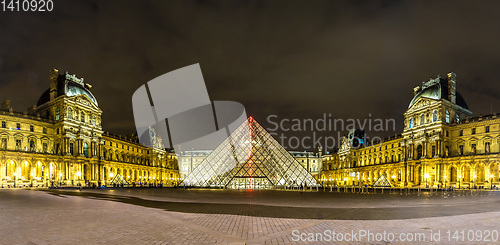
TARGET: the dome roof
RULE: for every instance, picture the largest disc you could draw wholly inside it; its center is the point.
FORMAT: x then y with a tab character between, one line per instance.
73	89
438	90
69	89
44	98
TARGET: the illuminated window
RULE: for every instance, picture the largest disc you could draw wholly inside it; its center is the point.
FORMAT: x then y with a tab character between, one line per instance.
487	147
44	147
93	119
85	150
44	130
447	116
18	126
461	133
32	129
411	122
422	119
70	113
82	117
473	148
487	129
57	113
18	145
457	118
434	116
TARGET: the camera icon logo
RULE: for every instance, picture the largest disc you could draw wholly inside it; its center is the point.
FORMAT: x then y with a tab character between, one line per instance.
174	111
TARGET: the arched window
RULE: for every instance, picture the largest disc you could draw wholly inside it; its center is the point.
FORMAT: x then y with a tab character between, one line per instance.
457	118
447	116
57	113
411	122
422	119
85	150
82	117
93	120
434	116
32	145
70	113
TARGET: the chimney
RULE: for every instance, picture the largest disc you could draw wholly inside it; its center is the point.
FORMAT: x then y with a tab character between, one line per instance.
416	90
53	75
452	87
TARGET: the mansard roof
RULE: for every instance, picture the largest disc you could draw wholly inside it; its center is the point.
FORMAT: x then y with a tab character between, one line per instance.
68	85
437	89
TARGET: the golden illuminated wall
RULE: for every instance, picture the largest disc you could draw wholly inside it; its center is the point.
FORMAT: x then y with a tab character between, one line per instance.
60	142
440	146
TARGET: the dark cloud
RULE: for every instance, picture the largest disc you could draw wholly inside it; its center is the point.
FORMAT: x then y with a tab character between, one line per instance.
291	58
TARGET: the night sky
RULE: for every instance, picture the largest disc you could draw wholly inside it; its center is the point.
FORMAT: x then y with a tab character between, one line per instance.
296	59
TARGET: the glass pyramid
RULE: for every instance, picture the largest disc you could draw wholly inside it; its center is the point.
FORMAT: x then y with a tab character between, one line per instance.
382	182
250	158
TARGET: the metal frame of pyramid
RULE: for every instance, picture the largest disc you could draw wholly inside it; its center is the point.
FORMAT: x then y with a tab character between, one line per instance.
250	158
382	182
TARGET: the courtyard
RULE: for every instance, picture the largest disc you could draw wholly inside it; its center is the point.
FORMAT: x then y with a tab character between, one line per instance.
198	216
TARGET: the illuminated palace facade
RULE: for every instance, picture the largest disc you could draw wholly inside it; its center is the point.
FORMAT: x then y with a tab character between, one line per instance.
60	142
441	145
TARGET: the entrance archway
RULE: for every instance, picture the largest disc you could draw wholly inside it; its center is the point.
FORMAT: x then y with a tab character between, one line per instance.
453	174
87	174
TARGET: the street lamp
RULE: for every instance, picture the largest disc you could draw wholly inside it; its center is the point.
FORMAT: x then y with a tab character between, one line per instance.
491	181
426	176
474	181
15	178
60	179
459	181
78	175
31	179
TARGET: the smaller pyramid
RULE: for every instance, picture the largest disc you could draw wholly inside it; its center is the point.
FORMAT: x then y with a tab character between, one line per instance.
118	179
382	182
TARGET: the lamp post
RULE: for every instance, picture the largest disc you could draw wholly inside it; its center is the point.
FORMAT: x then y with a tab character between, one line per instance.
474	181
491	181
111	174
459	181
15	178
426	176
31	179
78	175
60	179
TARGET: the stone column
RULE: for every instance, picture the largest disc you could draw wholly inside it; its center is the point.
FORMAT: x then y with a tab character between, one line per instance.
2	174
424	149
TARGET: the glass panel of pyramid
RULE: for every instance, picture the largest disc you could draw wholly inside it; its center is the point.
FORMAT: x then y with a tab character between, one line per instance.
250	158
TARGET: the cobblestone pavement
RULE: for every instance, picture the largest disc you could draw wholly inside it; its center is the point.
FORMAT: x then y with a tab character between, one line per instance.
105	216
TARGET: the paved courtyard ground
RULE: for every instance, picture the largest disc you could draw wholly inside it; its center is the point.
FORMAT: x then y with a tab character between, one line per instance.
177	216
